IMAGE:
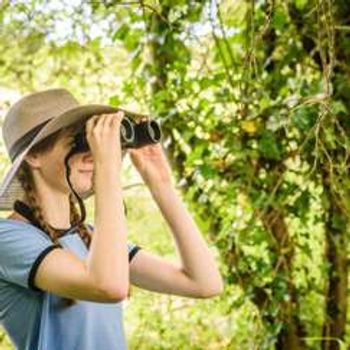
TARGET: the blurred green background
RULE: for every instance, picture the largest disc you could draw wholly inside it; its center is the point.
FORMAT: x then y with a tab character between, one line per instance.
254	101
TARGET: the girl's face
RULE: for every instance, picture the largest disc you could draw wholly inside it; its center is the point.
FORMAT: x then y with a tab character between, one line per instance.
52	167
81	167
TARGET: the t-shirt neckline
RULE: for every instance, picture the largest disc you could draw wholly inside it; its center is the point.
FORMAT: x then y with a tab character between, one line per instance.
64	232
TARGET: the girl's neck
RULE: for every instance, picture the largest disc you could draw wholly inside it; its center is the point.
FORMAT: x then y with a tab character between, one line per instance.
20	213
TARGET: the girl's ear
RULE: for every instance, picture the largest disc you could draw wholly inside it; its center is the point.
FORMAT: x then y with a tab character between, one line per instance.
33	160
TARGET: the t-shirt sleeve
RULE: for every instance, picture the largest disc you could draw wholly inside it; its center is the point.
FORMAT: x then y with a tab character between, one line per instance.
132	247
22	248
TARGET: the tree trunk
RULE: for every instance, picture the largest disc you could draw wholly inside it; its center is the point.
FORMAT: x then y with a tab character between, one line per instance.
337	220
336	290
290	337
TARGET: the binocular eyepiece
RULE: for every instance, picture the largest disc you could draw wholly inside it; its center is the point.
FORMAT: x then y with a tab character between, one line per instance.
132	135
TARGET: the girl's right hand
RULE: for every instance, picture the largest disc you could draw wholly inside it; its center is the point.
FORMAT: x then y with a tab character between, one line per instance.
103	136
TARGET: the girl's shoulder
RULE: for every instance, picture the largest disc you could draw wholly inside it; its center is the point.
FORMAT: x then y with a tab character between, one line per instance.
18	229
7	222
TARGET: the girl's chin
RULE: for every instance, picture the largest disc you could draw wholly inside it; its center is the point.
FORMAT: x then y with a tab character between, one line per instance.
86	190
83	191
82	194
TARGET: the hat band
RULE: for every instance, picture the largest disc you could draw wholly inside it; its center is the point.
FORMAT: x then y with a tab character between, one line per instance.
25	140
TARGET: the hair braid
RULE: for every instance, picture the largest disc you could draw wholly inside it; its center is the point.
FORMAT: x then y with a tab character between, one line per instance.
25	177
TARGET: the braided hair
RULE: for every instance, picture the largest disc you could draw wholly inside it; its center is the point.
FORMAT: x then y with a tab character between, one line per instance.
27	182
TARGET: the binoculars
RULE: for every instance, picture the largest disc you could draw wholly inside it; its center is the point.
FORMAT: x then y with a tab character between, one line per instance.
132	134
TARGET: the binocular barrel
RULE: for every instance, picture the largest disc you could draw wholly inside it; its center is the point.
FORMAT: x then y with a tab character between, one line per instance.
132	135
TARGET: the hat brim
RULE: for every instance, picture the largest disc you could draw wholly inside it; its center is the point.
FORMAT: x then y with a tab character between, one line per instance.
10	188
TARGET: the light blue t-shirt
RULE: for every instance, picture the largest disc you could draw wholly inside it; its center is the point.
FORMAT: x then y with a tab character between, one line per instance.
35	319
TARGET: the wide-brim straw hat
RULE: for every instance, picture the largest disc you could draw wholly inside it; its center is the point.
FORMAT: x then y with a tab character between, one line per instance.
30	120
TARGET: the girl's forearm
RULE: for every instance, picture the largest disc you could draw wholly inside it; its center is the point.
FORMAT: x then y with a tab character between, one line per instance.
108	255
197	259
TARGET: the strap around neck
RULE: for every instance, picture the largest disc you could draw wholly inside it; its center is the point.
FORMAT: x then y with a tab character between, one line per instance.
25	210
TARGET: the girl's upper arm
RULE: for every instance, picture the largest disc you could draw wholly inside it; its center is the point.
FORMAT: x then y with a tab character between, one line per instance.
62	273
28	258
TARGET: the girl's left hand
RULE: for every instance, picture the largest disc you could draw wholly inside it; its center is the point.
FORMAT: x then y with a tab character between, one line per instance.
152	164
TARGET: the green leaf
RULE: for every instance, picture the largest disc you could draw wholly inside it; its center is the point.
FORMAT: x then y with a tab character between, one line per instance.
115	101
279	19
269	146
121	33
300	4
338	222
338	107
207	171
304	118
302	204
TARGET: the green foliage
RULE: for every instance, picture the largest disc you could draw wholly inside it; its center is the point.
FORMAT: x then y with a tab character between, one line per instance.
255	118
269	147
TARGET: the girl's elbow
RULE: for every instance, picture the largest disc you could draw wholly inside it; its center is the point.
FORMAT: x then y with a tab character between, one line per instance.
213	291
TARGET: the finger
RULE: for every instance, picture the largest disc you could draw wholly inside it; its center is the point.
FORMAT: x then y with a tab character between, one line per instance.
118	117
108	121
90	124
91	120
102	122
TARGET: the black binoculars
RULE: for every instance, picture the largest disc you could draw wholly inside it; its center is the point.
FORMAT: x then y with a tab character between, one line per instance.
132	134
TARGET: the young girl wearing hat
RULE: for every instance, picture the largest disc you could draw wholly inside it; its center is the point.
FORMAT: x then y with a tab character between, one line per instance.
62	281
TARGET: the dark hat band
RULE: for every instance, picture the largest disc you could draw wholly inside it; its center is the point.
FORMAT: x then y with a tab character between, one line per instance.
25	140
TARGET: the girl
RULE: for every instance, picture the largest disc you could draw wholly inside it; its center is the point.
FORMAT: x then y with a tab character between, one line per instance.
62	282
